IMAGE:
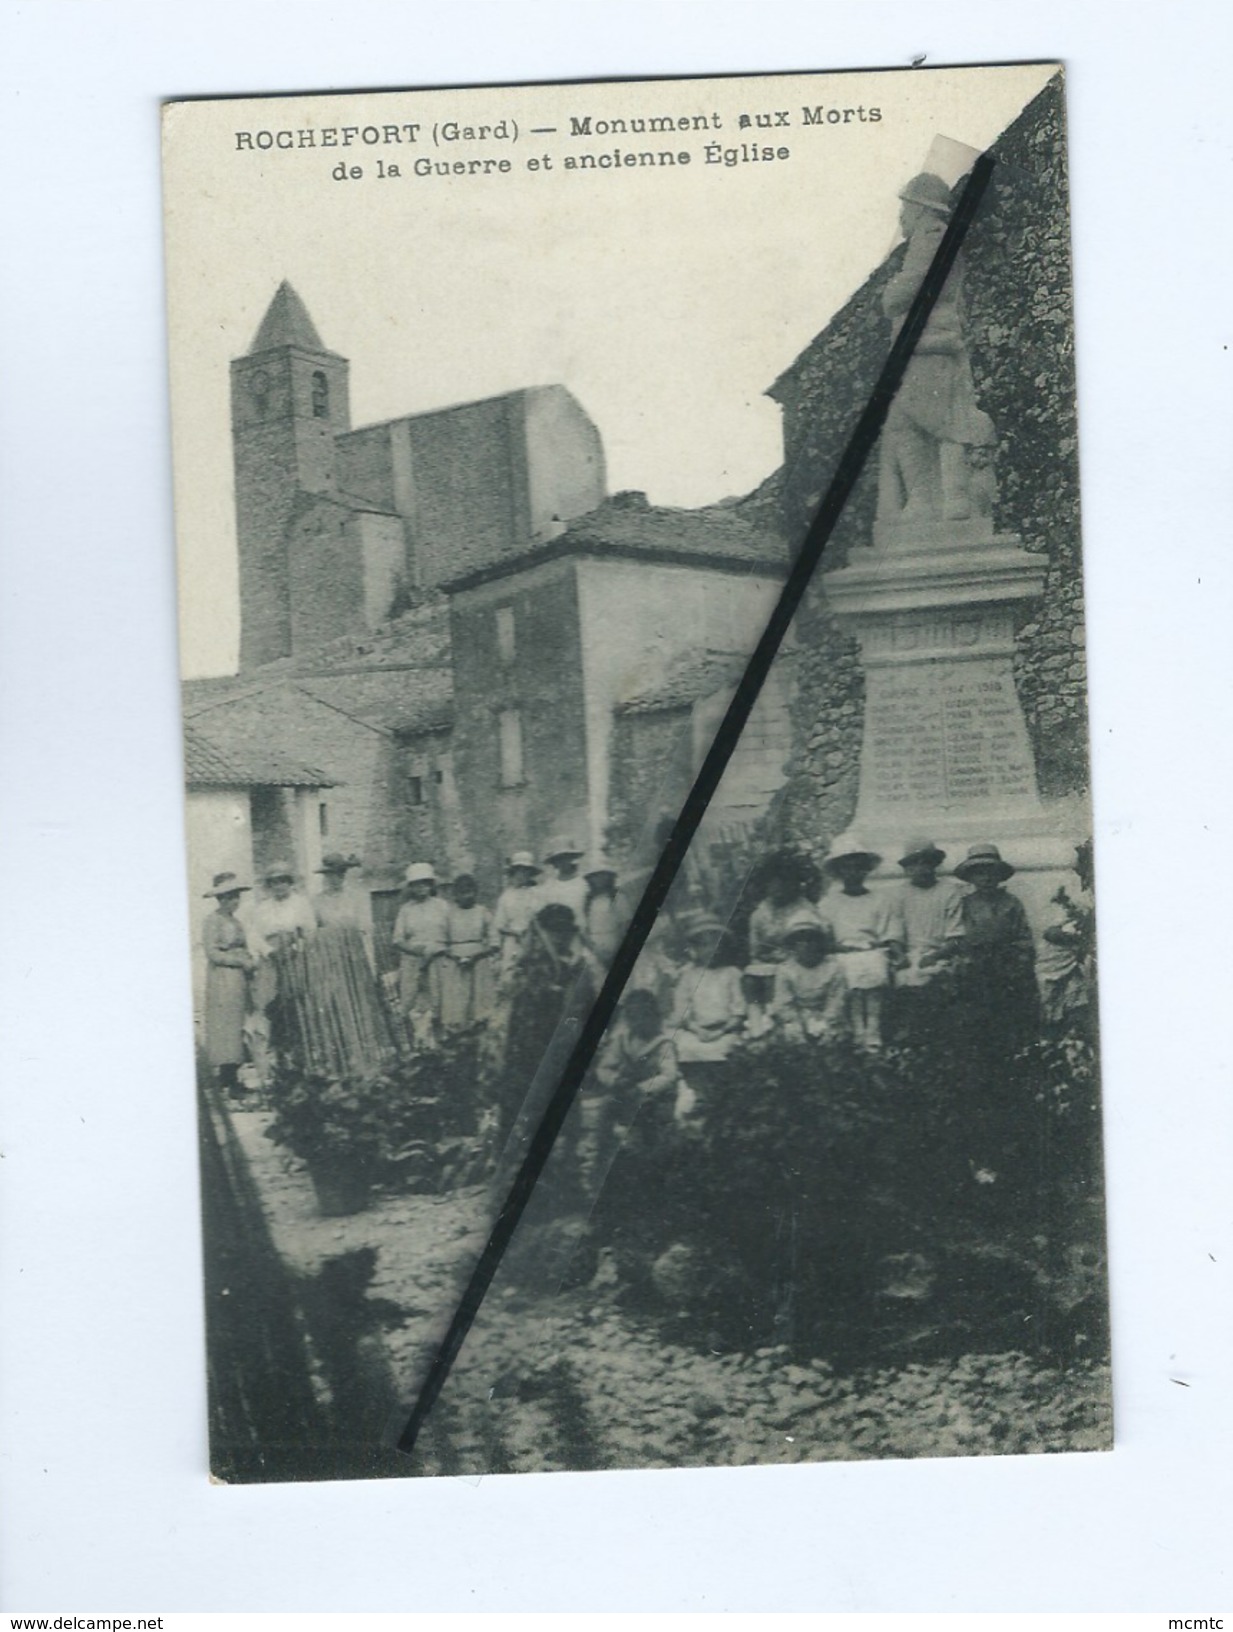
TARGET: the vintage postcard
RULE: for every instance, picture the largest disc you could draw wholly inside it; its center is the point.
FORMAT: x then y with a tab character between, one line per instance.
500	415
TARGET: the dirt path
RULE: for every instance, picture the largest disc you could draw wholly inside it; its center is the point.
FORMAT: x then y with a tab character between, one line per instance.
577	1381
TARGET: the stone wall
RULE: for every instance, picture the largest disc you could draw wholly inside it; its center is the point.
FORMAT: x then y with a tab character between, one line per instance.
1018	293
652	768
537	677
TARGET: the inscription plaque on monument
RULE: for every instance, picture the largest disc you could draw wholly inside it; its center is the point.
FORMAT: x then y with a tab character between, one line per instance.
945	738
945	742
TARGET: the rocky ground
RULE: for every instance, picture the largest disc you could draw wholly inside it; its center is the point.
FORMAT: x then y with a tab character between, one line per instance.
584	1379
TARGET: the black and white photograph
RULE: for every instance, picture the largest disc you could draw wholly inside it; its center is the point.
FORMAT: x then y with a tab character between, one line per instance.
500	417
614	676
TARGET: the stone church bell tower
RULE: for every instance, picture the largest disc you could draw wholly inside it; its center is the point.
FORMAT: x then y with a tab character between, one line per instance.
289	401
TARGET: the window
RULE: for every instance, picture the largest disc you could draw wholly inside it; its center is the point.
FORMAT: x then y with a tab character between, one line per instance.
510	722
321	395
415	790
323	820
505	633
259	385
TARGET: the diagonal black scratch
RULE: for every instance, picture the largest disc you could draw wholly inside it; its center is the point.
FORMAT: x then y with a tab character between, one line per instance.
847	471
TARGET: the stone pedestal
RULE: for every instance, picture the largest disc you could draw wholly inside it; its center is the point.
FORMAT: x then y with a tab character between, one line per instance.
945	751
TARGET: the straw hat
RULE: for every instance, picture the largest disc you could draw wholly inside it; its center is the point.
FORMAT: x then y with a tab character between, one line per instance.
919	849
847	844
600	864
984	858
703	926
335	862
420	872
524	859
226	884
804	922
279	869
562	844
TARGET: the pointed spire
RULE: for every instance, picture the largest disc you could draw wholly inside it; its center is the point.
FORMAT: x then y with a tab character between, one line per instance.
286	323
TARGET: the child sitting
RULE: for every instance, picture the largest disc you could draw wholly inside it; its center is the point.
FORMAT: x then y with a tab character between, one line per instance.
637	1077
708	1011
868	934
811	992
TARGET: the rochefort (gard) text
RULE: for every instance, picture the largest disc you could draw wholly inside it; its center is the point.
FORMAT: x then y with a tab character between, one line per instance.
451	134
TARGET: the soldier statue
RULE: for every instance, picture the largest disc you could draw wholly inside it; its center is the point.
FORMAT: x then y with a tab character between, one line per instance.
936	444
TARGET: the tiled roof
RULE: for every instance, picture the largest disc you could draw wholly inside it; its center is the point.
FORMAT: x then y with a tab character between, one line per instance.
276	705
627	524
417	640
207	764
404	700
694	675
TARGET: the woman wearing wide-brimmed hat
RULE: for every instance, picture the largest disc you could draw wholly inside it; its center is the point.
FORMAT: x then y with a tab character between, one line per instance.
932	916
512	915
562	881
282	924
421	935
341	1019
556	979
467	966
603	915
1065	963
229	964
997	975
283	918
867	930
334	903
782	883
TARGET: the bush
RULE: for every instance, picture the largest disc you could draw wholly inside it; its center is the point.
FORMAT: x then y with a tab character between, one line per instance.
835	1202
407	1126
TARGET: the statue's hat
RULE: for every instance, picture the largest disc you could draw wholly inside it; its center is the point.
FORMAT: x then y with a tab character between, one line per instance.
930	191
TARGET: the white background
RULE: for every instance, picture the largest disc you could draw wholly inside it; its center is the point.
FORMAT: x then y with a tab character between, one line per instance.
106	1508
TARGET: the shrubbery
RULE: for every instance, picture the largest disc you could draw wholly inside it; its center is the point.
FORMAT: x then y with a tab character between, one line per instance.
816	1196
826	1199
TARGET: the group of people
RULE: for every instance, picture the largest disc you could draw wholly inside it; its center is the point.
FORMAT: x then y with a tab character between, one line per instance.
459	960
930	959
304	961
462	967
